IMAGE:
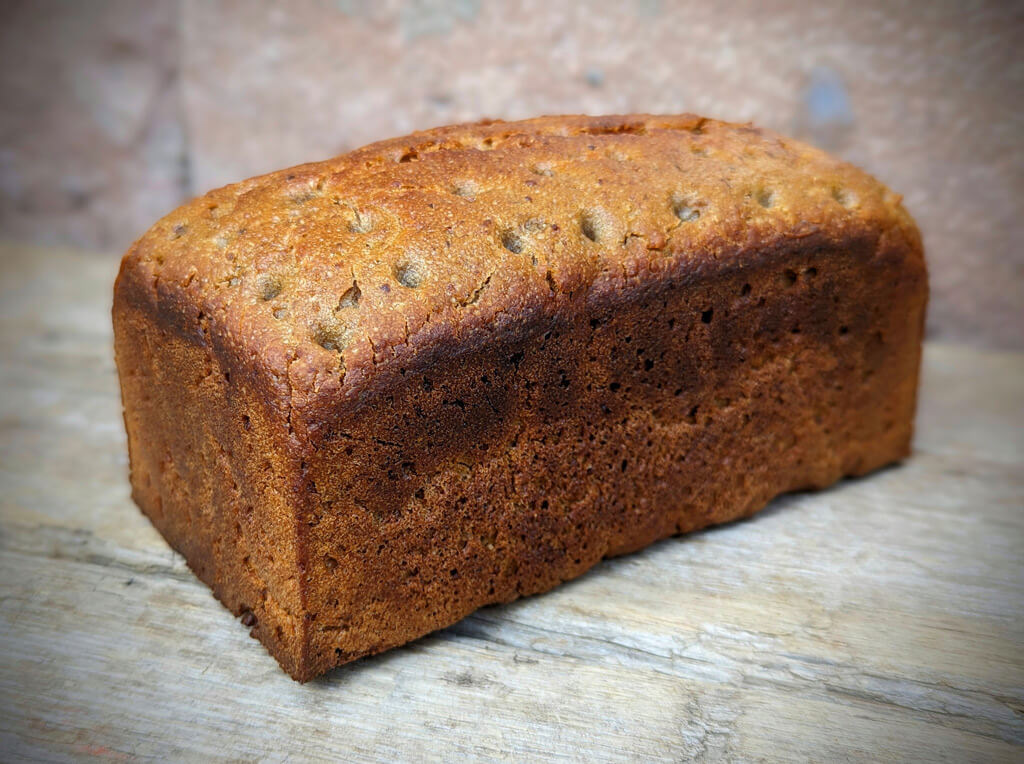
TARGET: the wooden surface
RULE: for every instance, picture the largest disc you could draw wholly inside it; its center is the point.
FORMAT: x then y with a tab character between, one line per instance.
879	620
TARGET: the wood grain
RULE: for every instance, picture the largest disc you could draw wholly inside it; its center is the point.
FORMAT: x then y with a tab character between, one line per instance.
878	620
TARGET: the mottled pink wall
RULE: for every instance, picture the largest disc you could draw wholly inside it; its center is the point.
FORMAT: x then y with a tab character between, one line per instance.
113	110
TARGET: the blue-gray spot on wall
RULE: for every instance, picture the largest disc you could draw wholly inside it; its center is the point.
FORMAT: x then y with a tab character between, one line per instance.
826	99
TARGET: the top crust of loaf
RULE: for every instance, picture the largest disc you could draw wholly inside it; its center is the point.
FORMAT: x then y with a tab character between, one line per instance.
322	281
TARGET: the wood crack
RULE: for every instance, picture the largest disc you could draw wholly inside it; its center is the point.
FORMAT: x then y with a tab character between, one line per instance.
78	546
973	711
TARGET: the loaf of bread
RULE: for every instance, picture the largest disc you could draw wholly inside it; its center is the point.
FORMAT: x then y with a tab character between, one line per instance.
366	396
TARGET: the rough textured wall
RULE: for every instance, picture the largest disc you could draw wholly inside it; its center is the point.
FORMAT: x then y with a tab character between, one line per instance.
114	110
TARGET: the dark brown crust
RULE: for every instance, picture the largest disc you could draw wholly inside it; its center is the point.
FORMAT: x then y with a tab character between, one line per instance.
663	338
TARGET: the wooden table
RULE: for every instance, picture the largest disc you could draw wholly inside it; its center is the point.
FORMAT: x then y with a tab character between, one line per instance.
879	620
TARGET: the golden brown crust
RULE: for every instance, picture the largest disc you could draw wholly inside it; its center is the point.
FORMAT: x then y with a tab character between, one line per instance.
277	259
454	339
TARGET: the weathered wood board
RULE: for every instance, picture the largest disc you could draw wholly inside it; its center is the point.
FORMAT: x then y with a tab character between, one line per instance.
879	620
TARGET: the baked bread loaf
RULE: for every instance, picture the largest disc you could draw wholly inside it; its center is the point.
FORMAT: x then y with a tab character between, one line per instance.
366	396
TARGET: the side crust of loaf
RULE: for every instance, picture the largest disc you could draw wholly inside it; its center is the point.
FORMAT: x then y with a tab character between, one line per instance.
358	486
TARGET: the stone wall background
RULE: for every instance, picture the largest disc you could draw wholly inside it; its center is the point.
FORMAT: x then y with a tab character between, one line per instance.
114	111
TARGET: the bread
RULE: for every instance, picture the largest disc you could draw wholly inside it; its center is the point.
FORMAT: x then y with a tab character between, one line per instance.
366	396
